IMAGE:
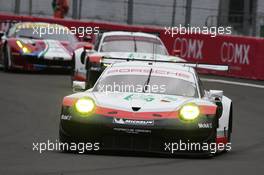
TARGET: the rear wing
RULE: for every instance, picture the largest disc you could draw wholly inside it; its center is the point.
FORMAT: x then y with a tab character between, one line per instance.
216	67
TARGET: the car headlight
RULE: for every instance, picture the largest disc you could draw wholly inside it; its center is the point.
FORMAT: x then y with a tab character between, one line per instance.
22	47
189	112
84	105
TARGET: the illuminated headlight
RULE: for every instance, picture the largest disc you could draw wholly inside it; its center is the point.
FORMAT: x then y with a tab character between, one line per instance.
22	47
25	50
84	105
189	112
106	64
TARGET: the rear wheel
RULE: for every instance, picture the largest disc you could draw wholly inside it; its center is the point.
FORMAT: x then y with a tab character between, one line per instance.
6	59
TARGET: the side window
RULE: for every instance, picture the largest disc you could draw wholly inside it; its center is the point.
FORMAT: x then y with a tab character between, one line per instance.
11	31
97	42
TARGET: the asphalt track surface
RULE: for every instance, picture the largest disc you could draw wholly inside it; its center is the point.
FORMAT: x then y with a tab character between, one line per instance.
30	107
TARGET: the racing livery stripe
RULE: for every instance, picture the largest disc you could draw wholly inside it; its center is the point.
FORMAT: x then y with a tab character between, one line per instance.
108	112
221	140
95	59
67	101
79	77
207	109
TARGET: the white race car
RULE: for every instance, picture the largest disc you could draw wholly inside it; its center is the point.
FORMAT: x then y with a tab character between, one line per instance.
117	45
149	106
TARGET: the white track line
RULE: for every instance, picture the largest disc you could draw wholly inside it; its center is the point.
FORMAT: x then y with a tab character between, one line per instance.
233	83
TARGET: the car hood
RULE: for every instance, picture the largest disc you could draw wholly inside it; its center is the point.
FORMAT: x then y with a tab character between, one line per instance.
47	49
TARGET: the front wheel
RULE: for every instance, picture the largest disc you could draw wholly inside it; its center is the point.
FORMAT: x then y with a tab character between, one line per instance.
6	59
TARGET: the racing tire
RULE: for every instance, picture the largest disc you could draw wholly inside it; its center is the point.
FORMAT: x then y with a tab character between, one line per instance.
230	124
6	59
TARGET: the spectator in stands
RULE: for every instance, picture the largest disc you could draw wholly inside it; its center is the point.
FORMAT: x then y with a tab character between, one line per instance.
60	8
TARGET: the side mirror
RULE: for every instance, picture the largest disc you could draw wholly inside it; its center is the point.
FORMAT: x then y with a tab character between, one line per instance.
78	86
83	54
176	52
87	38
216	94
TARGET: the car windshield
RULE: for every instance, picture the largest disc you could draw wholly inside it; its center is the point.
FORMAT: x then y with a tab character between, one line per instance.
30	33
133	44
156	85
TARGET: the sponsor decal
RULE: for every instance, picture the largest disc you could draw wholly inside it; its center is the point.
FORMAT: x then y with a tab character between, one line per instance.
205	125
133	122
190	48
156	72
66	117
235	53
133	131
147	98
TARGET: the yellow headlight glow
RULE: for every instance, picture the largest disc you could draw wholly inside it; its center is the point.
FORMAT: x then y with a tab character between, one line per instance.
189	112
19	44
84	105
24	48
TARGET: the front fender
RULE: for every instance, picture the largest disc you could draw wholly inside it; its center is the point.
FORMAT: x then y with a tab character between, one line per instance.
224	119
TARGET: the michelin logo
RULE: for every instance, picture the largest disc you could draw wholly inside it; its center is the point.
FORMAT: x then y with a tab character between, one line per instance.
133	122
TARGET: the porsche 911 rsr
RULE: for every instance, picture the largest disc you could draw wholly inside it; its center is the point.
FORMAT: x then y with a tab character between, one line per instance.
118	45
146	106
34	46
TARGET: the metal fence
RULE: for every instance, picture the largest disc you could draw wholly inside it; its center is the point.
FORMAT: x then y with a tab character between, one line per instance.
154	12
146	12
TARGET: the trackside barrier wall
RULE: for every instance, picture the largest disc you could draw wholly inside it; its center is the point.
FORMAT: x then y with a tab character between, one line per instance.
244	55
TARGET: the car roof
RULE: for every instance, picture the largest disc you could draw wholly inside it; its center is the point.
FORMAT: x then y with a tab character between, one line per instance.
130	34
171	66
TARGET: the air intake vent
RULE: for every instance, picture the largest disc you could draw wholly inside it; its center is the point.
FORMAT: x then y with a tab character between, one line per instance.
136	108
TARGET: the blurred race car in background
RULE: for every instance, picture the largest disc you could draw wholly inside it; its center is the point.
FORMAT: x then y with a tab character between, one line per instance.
142	116
24	47
89	64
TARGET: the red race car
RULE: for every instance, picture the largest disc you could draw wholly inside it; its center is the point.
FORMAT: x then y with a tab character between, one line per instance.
36	46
